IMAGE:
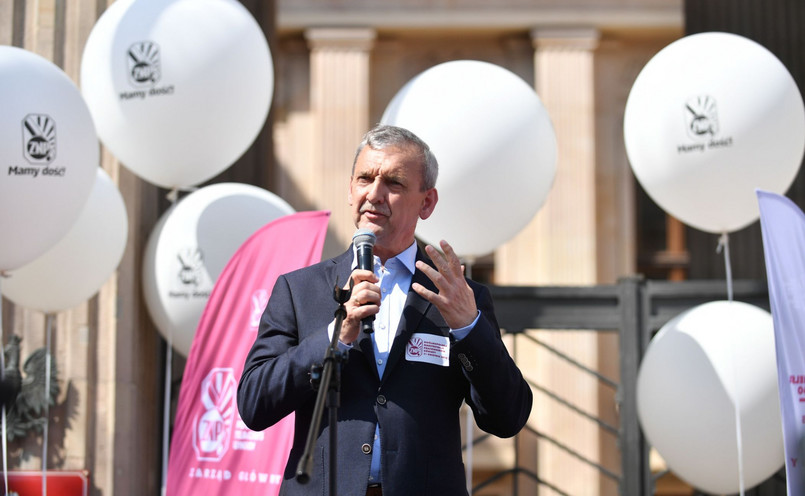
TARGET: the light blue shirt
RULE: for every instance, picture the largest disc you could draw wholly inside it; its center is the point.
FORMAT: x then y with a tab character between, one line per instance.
395	282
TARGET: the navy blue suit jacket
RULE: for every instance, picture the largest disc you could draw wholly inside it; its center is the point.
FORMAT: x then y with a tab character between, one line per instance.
416	404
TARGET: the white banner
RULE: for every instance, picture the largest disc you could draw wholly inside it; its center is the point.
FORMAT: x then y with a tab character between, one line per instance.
783	227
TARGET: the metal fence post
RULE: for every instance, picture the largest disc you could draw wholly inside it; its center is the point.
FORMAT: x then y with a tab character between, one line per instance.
636	473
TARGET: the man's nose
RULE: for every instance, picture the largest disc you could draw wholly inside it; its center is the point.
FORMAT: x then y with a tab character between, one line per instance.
376	190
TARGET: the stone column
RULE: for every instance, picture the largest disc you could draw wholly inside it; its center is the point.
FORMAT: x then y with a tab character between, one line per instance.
559	247
339	101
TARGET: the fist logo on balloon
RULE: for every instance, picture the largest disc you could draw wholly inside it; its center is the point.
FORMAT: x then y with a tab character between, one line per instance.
192	264
701	117
39	138
144	67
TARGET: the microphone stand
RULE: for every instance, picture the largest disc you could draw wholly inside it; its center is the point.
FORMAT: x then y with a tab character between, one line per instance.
326	380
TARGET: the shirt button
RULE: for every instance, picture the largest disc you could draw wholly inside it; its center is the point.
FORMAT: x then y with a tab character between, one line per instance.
366	448
381	400
380	361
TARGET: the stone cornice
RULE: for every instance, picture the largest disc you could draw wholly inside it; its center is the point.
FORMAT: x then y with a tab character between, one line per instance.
289	18
564	38
340	37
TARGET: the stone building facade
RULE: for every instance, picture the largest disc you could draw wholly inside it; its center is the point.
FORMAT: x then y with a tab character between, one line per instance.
337	65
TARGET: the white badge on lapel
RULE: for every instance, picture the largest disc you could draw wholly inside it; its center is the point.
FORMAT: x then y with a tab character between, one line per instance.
428	348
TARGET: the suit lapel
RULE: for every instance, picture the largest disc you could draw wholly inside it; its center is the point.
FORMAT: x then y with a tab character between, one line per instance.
415	309
343	267
367	348
364	345
342	270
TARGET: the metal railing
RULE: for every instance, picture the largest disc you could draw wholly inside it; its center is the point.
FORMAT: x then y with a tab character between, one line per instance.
635	308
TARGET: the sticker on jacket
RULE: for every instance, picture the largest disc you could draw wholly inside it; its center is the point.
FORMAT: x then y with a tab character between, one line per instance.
428	348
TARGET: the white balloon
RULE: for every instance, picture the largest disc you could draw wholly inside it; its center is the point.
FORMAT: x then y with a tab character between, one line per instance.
48	155
179	89
189	247
711	118
78	265
495	145
702	367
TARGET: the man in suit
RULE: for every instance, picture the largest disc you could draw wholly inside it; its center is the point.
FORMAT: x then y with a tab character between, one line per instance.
435	343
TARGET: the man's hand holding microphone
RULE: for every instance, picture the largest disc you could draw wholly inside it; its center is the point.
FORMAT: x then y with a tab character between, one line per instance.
364	302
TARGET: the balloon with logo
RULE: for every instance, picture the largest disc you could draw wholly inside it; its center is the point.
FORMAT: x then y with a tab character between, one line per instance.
189	247
48	155
709	119
179	89
707	370
77	266
495	145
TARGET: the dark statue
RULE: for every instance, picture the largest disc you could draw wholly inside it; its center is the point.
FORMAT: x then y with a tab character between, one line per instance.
24	395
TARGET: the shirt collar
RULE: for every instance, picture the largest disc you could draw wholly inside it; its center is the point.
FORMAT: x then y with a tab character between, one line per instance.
407	258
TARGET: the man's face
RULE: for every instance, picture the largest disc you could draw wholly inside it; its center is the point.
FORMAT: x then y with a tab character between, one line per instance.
386	197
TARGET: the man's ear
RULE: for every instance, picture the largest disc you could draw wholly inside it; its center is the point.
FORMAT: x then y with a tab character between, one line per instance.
429	203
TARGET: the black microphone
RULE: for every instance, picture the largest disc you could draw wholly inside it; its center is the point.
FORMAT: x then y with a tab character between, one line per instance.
364	240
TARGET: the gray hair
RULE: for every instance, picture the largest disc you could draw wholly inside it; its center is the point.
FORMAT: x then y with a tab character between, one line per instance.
383	136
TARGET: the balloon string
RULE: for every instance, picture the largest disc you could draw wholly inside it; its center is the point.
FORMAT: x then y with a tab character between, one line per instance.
724	245
738	429
3	377
173	196
738	440
49	332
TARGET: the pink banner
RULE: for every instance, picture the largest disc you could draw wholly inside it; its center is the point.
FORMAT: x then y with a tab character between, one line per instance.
212	452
